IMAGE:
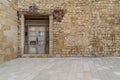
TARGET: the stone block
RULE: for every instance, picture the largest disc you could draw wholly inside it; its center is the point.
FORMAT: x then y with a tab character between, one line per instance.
6	27
116	28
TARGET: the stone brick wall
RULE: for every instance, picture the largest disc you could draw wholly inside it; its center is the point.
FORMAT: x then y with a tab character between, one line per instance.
8	30
88	28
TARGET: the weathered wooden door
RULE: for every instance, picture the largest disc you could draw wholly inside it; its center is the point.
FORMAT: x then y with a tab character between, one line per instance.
36	34
36	39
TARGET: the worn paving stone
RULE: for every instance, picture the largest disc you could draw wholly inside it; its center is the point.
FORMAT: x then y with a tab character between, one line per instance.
82	68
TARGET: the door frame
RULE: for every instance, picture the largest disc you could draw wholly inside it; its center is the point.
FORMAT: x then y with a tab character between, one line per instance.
22	29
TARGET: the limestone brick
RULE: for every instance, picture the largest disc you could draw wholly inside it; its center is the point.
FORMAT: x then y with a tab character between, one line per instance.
88	28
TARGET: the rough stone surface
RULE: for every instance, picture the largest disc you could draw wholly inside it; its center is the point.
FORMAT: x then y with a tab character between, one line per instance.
89	27
8	31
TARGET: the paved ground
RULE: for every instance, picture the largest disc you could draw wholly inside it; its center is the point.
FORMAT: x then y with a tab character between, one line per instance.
61	69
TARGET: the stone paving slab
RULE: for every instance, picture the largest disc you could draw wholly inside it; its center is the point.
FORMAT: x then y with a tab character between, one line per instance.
82	68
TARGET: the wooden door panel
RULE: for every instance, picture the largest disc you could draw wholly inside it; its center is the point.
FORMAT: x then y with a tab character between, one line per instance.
37	35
